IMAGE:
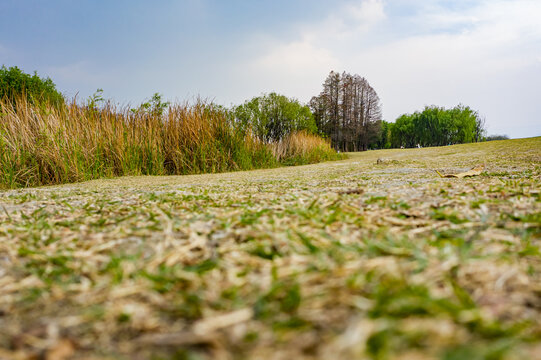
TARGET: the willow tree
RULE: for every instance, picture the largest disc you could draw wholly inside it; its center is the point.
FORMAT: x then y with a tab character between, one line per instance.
437	126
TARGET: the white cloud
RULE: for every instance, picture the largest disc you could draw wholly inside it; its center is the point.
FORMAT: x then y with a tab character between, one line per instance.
294	57
288	68
457	54
300	64
366	12
450	20
442	68
351	20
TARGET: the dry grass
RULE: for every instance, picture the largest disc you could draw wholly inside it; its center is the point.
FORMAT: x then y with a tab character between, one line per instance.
303	148
41	146
345	260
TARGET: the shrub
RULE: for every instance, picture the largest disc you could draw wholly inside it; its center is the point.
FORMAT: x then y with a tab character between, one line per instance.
497	137
304	148
14	84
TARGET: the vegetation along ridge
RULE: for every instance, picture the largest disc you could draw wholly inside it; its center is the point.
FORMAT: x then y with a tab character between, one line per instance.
47	139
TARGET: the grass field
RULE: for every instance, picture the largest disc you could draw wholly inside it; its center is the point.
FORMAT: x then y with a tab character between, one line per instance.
350	259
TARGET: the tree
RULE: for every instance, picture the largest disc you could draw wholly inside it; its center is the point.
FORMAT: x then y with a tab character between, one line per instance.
273	116
402	132
383	138
480	128
437	126
347	110
15	84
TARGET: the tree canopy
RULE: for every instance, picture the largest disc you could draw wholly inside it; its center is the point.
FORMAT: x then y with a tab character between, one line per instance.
15	83
347	111
273	116
437	126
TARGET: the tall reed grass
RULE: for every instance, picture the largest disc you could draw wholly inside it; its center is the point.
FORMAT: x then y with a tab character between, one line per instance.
46	145
303	148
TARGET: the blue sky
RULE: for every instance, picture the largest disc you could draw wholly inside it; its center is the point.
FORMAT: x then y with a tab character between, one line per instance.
481	53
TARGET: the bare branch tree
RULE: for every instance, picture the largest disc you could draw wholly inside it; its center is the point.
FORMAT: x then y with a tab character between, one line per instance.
348	110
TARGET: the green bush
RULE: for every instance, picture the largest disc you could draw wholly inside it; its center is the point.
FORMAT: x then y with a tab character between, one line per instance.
15	84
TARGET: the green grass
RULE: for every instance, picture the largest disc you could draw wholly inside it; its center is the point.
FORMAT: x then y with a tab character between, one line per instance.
282	261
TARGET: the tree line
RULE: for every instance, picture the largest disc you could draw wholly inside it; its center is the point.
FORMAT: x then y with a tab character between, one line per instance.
347	111
435	126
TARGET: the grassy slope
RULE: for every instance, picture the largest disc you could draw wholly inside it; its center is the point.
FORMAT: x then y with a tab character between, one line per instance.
349	259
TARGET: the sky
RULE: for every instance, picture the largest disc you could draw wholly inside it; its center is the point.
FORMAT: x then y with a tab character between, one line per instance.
485	54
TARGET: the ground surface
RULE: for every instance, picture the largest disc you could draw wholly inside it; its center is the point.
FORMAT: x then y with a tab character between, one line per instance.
342	260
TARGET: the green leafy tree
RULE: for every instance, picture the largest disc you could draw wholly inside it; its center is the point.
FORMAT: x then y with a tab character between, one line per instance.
383	138
15	84
402	132
437	126
273	116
